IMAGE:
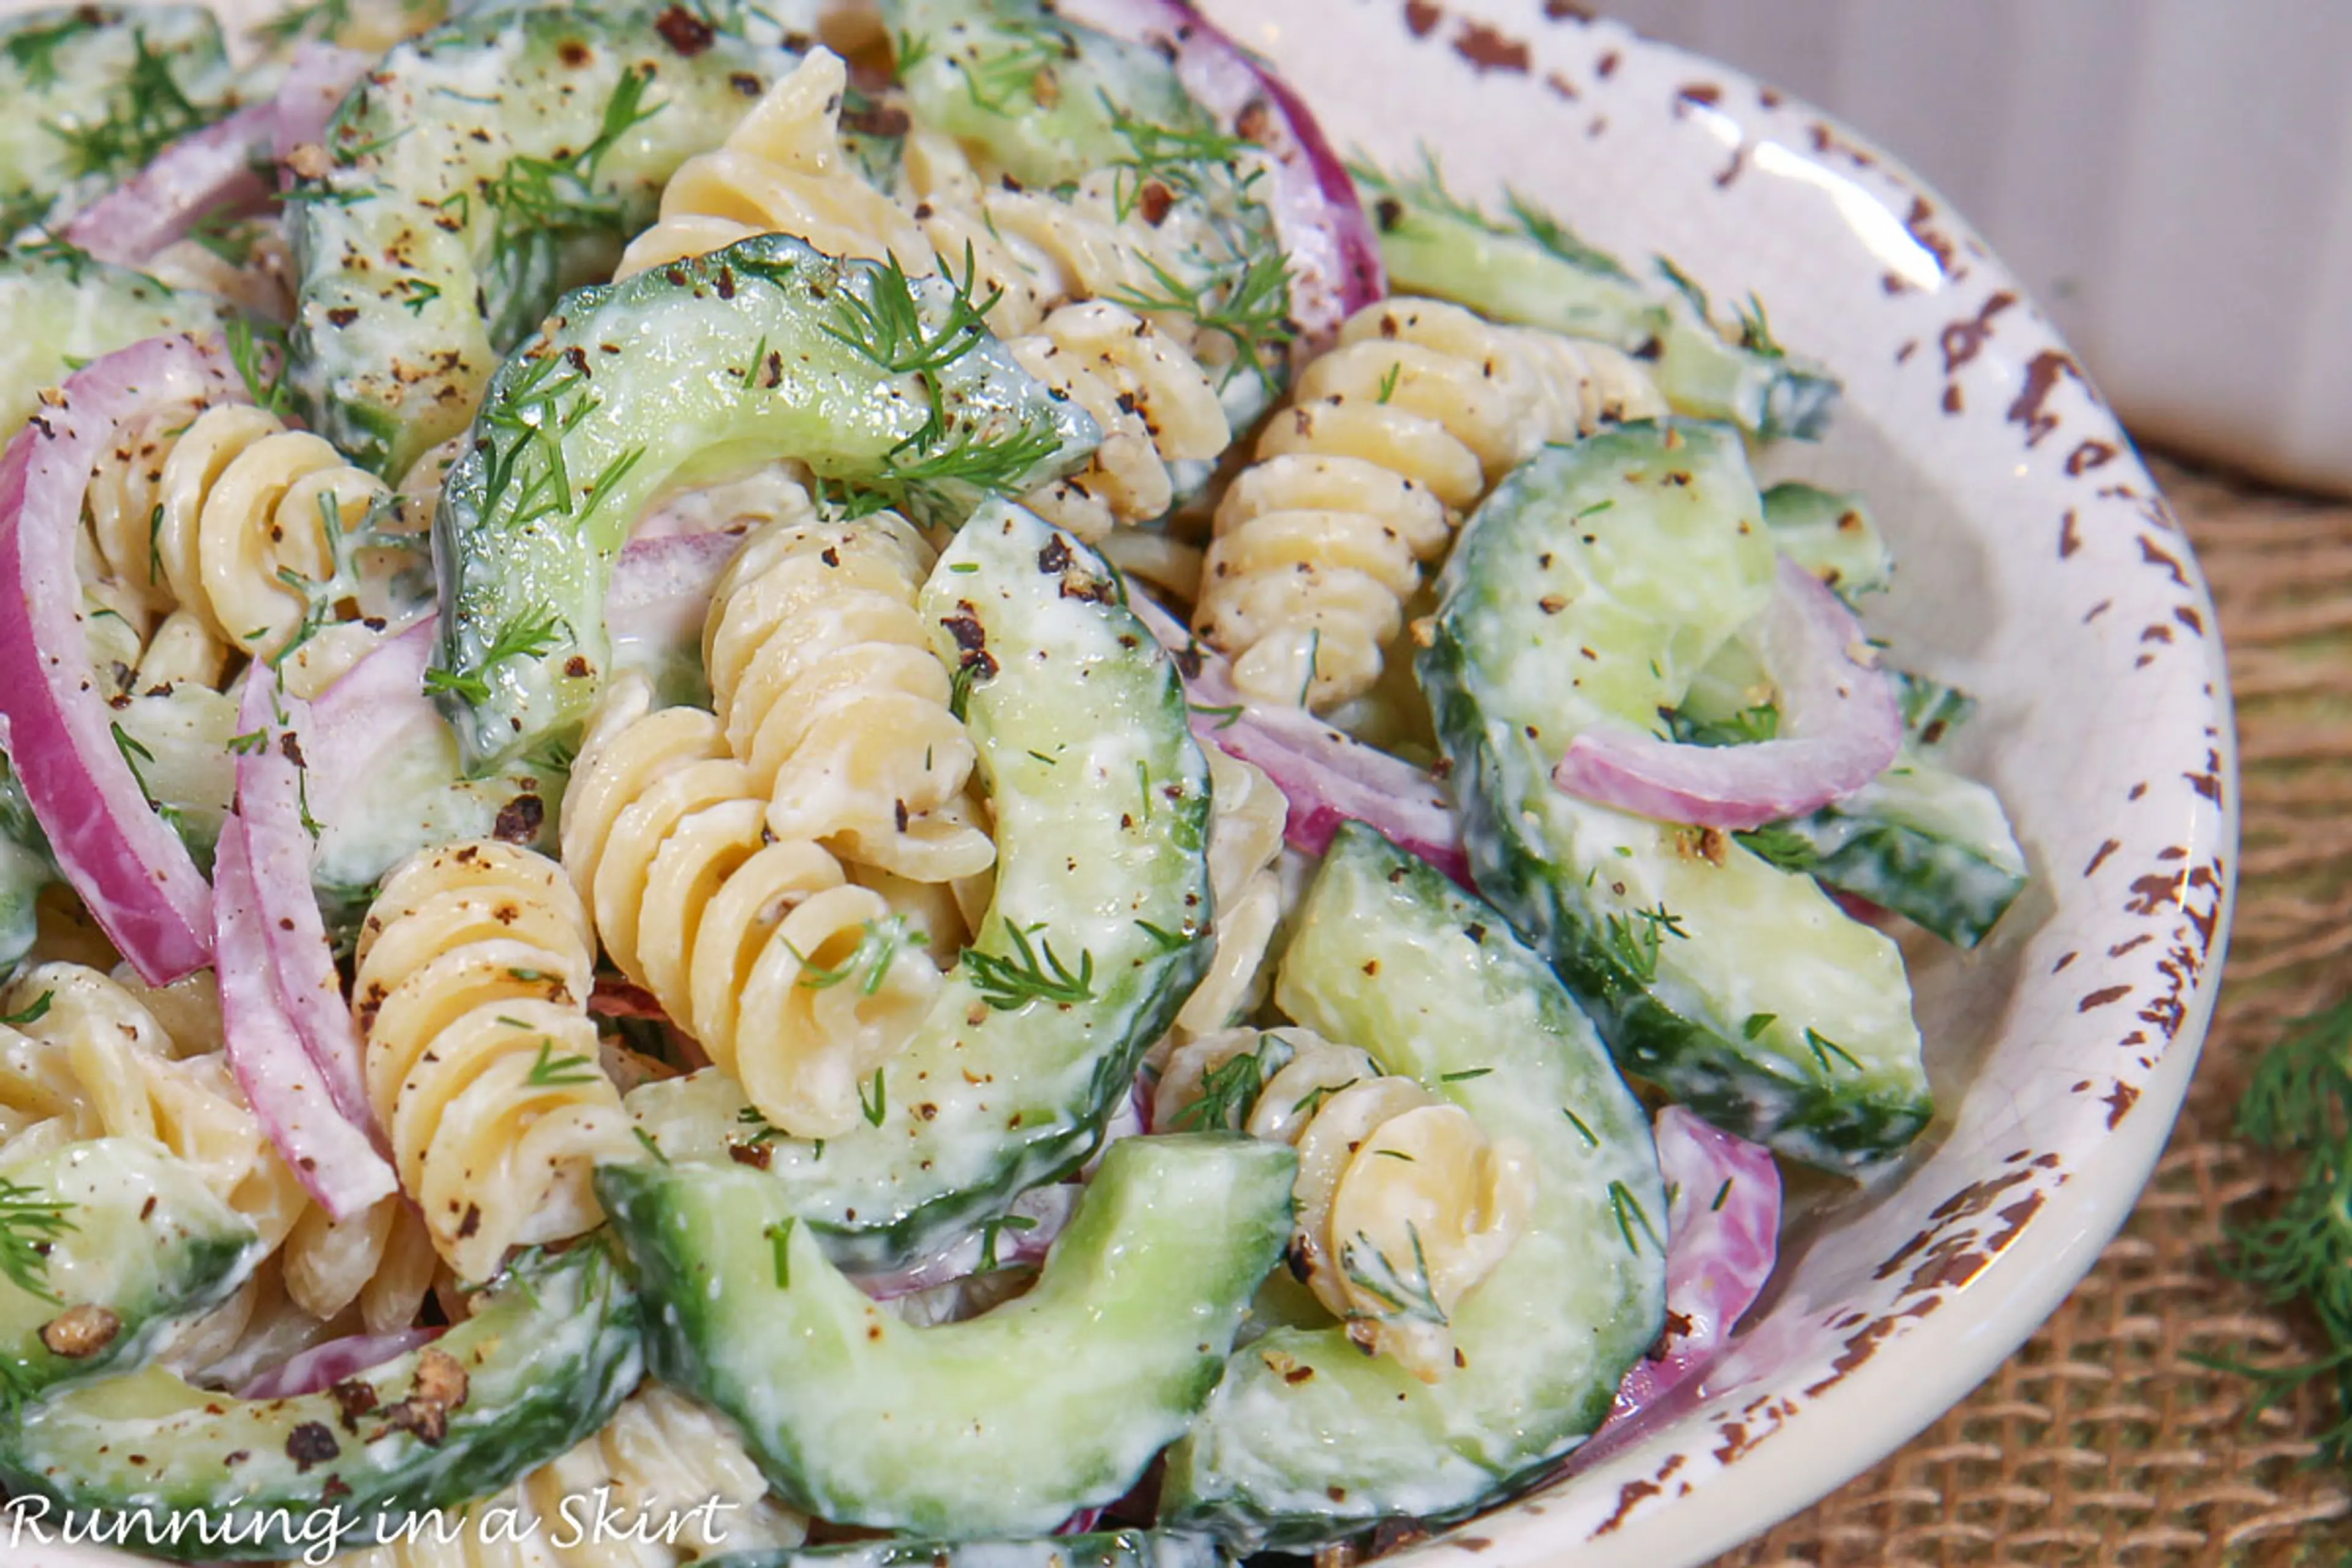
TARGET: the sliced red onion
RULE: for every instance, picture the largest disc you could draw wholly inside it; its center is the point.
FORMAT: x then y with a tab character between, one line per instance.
318	79
331	1156
271	798
1080	1523
221	169
1335	257
1047	1209
130	870
1328	777
209	171
1723	1226
1840	726
336	1361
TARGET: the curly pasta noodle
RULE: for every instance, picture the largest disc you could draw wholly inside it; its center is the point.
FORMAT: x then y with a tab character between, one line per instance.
474	967
656	1466
781	171
795	979
829	693
1403	1203
1391	436
1155	404
195	515
92	1061
1248	814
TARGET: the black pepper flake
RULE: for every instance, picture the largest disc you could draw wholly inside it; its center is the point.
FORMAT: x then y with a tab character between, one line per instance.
519	820
353	1398
684	31
311	1443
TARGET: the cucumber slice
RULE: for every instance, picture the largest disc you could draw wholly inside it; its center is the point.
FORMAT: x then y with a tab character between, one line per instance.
1739	988
1101	801
27	867
1004	1424
1530	268
1044	96
1831	535
549	1354
145	1249
1108	1548
475	174
59	307
1919	839
1307	1439
94	92
529	521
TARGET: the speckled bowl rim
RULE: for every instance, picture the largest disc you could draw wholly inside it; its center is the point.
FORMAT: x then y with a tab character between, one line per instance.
2007	1237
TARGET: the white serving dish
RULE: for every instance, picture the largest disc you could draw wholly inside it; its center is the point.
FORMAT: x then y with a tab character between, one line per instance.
2040	568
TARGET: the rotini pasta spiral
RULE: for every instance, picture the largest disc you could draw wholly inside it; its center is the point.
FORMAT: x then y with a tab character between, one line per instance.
206	511
1154	402
1248	814
659	1467
831	698
781	171
87	1060
795	979
1403	1203
474	972
1393	436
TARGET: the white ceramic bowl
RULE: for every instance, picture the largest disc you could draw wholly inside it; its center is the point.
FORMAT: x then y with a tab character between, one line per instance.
2040	569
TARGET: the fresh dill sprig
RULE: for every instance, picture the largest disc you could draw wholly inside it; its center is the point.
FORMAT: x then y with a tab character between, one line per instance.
552	1071
527	635
32	1012
1006	81
780	1240
34	50
1246	302
2299	1104
877	950
1629	1212
1029	974
29	1224
263	381
873	1108
1634	940
1407	1296
1227	1092
987	1233
1824	1047
152	112
1521	218
548	196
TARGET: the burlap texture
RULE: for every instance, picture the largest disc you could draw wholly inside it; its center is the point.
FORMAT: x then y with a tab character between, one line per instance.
2102	1442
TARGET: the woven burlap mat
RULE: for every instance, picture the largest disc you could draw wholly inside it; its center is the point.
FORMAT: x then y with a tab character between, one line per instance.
2102	1441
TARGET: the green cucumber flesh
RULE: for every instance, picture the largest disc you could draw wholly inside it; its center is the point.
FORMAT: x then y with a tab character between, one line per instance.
698	369
1919	840
471	182
1045	96
549	1353
95	92
61	309
1101	806
1307	1439
1831	535
1740	989
149	1246
1105	1549
1531	269
1001	1425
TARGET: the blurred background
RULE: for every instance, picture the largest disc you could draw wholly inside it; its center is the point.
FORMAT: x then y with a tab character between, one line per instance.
2171	178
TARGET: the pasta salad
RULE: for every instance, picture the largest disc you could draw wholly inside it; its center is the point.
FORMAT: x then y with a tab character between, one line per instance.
868	780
